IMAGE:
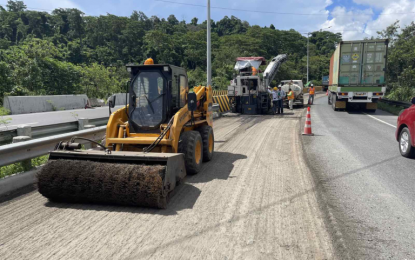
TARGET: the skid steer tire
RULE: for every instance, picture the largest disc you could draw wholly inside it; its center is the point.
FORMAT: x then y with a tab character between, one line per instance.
208	140
191	146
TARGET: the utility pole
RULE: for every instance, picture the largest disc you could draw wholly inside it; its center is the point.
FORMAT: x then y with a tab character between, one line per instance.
308	37
209	62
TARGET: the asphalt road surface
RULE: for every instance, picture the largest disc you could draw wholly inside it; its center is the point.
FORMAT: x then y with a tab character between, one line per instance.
55	117
255	200
366	188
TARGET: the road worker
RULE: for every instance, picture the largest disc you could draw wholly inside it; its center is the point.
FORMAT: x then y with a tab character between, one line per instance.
254	71
277	97
311	92
290	97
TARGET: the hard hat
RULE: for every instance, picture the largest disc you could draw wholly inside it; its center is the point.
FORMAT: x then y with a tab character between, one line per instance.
312	85
275	88
149	61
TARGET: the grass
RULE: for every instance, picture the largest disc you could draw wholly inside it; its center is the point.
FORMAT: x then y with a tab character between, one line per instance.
17	167
390	108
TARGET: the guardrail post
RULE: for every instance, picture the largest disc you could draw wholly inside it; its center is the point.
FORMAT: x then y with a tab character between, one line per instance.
82	122
26	164
24	130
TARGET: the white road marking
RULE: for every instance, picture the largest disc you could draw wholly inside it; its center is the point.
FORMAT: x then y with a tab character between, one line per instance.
380	120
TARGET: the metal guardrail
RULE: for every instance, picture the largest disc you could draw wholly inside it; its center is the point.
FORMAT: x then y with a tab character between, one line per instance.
13	153
396	103
55	129
17	152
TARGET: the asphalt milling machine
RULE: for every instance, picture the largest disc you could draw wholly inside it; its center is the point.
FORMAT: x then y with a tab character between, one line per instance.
163	133
248	91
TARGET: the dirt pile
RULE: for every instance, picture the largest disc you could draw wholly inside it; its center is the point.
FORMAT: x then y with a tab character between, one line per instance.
107	183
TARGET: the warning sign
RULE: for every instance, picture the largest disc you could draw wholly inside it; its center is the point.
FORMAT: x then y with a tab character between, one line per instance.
355	56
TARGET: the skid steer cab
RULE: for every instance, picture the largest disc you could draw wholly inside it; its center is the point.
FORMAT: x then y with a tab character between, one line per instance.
164	133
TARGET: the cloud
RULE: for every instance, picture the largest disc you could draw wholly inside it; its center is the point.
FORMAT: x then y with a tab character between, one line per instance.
374	3
406	13
351	23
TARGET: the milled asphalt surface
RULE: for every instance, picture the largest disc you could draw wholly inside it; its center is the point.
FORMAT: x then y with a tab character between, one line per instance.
55	117
255	200
367	189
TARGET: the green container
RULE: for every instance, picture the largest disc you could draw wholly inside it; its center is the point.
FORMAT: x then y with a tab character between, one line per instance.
359	63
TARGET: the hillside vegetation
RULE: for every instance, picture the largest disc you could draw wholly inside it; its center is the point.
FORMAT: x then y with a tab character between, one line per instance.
68	52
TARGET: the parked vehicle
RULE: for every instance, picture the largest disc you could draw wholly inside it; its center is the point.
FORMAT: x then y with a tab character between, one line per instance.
405	131
357	74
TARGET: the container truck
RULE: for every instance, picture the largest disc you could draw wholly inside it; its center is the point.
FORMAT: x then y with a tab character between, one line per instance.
358	74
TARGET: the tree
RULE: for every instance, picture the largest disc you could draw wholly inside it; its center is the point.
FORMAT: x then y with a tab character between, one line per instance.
194	21
272	27
15	6
172	20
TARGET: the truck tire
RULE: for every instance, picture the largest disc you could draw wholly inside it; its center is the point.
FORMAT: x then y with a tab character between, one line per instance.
328	99
191	146
405	146
333	101
208	140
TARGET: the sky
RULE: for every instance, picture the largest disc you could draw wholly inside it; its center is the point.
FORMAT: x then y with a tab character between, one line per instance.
355	19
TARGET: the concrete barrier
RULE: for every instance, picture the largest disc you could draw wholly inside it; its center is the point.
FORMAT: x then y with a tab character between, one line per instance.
120	99
35	104
95	102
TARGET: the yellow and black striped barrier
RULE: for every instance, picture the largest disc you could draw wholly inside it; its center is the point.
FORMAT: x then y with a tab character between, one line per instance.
221	97
220	93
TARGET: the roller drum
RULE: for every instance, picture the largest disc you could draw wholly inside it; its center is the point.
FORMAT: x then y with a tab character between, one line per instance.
82	181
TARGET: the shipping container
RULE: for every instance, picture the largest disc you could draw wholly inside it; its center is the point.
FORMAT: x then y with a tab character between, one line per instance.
358	74
359	63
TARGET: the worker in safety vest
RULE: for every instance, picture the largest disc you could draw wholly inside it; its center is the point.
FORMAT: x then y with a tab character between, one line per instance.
277	96
290	97
311	92
254	71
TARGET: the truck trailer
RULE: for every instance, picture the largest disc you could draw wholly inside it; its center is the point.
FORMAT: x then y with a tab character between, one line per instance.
358	74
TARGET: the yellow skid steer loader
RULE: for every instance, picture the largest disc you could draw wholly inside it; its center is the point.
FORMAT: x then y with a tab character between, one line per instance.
163	133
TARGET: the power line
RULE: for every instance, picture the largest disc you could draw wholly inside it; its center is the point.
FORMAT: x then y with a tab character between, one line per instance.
268	12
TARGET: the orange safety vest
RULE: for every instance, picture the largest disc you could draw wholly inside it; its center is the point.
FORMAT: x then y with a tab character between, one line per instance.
312	90
290	95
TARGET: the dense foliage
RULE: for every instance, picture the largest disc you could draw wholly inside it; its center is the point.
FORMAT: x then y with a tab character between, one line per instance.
401	61
67	52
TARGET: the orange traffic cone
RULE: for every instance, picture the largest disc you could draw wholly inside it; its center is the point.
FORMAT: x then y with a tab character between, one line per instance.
307	127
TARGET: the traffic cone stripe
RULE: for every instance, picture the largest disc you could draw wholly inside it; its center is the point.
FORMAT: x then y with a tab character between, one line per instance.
307	126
